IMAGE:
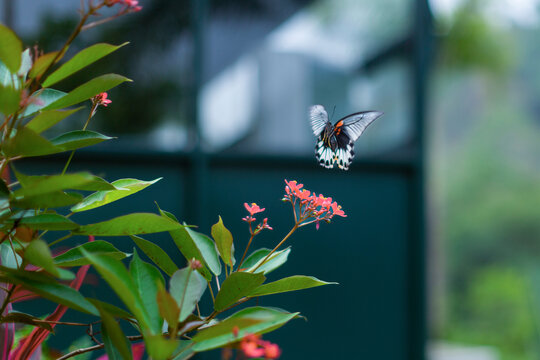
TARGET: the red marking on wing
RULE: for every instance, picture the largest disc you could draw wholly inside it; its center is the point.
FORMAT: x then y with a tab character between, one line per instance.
338	127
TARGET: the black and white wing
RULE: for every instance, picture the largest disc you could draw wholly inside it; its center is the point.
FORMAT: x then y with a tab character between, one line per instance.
324	154
355	124
318	118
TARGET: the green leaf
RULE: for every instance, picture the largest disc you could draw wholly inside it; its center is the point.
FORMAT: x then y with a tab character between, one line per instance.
119	279
224	241
41	99
291	283
146	279
116	343
184	350
4	190
28	143
186	287
235	287
188	248
75	257
156	254
46	119
41	64
78	139
80	60
196	245
274	261
7	78
111	309
253	320
9	99
46	184
22	318
88	90
125	187
132	224
159	347
52	200
208	250
26	63
8	258
48	222
48	288
38	253
168	308
10	49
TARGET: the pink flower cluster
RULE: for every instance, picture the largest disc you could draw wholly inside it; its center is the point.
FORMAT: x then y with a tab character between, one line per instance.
311	206
254	347
129	5
252	210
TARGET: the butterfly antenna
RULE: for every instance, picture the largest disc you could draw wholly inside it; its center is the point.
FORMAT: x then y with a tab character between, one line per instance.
333	111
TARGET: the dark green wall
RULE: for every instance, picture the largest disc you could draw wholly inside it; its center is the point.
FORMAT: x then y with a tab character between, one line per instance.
366	316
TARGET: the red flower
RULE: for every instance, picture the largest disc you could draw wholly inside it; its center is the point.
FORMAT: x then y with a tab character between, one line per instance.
265	224
195	264
336	210
293	187
272	351
101	99
253	209
304	195
253	347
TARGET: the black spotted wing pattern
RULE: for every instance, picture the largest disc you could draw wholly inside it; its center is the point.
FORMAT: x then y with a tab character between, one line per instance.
335	143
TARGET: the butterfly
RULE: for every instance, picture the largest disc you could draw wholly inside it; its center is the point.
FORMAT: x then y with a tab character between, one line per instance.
335	143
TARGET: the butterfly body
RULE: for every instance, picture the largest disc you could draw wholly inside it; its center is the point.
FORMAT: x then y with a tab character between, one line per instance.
335	143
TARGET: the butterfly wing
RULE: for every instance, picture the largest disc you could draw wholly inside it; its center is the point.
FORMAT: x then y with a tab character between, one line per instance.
344	153
347	131
324	154
318	118
355	124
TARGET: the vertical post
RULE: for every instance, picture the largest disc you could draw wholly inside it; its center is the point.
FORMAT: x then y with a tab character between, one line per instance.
196	193
421	58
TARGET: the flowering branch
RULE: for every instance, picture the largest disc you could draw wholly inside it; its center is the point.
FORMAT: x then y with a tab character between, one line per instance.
311	209
253	209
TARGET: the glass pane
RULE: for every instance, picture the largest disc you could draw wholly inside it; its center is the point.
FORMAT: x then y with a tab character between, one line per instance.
262	74
264	64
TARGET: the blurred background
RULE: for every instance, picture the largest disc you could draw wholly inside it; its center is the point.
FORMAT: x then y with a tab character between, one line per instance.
439	257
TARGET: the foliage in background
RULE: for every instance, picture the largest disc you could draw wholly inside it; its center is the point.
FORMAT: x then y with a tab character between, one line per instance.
489	173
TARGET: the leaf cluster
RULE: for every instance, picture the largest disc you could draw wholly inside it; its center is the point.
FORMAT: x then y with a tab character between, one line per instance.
160	299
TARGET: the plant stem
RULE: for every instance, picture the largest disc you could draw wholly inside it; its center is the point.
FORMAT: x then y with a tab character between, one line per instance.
92	111
277	246
211	293
60	322
7	300
245	251
95	347
61	239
